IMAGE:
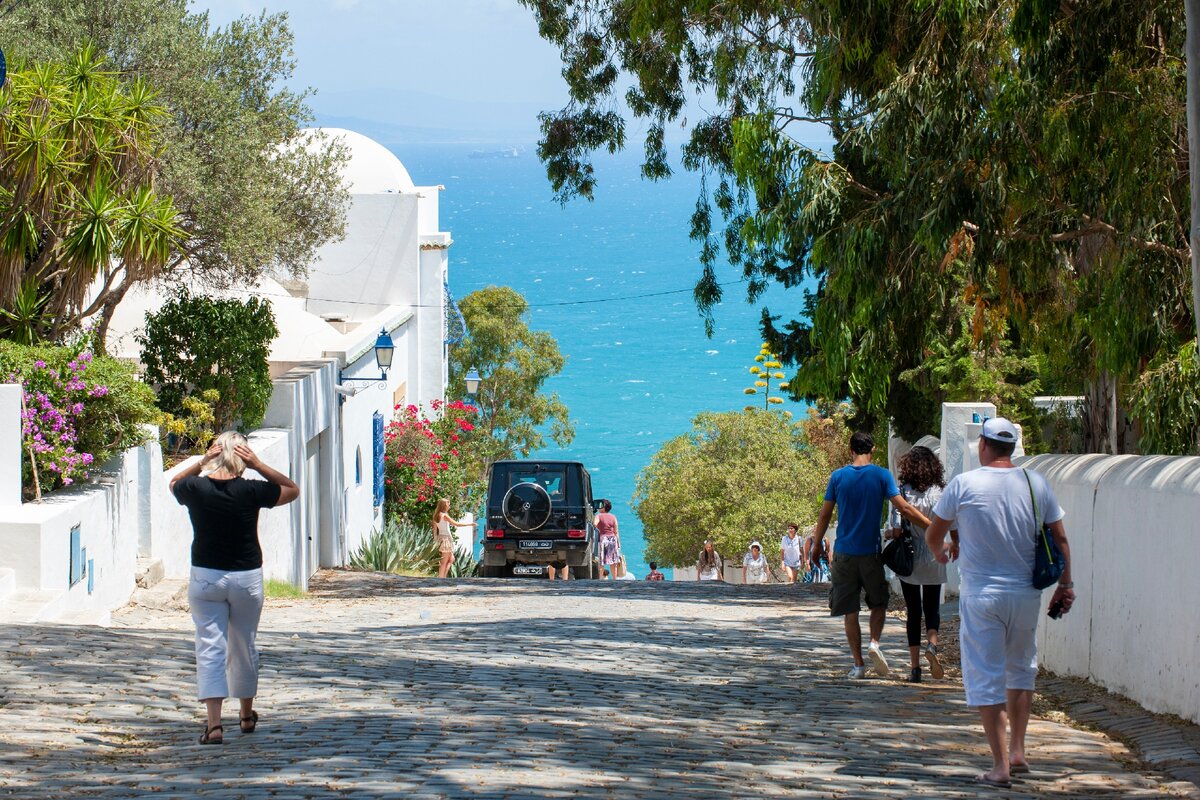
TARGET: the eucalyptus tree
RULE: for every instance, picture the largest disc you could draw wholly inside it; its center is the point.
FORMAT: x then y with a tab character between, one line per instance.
78	204
1017	166
249	198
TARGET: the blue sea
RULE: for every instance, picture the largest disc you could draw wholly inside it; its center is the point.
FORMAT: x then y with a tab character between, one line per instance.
639	366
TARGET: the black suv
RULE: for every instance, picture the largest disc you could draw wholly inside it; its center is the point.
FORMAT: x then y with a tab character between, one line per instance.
539	514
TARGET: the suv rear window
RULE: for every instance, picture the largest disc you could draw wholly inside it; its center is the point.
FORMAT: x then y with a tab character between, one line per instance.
553	481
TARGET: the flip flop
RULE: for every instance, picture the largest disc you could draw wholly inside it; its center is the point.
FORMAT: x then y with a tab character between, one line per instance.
1018	769
207	737
983	779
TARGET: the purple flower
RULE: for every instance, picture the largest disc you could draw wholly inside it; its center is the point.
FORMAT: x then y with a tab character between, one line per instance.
40	364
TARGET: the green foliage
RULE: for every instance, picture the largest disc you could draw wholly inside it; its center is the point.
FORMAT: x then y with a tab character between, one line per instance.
25	319
959	369
196	343
1022	158
80	410
735	477
191	431
1167	401
429	459
253	193
78	200
407	548
282	590
516	362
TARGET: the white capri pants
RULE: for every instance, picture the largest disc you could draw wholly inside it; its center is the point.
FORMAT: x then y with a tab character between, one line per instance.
226	607
998	644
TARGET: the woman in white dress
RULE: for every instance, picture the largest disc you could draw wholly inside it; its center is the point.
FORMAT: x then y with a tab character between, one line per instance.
441	534
755	564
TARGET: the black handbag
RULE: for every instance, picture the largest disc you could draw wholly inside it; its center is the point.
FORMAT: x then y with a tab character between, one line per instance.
900	555
1048	562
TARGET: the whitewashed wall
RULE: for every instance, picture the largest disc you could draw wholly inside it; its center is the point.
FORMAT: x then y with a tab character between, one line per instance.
1135	627
128	513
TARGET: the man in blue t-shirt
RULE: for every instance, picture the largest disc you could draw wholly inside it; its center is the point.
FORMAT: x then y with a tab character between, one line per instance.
859	492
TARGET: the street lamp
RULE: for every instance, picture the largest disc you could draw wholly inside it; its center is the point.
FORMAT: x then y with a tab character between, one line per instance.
473	380
384	350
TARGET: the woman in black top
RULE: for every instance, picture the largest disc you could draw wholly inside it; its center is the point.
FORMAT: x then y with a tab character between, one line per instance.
226	587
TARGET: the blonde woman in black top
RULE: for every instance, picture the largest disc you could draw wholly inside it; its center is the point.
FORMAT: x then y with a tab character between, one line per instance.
226	586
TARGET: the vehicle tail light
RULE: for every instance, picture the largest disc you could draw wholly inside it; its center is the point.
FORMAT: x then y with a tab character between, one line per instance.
576	534
498	546
495	534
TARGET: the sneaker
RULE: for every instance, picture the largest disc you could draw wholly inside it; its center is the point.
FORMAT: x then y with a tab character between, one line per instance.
857	673
914	676
935	664
878	662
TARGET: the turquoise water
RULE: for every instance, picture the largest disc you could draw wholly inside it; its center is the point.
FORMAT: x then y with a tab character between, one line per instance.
639	366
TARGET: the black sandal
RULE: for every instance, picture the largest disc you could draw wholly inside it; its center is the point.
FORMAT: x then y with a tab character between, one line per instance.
207	738
251	720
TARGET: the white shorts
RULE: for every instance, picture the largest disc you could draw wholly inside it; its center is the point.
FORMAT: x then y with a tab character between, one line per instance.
998	644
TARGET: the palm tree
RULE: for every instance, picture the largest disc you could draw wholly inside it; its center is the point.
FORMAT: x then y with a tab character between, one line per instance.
80	221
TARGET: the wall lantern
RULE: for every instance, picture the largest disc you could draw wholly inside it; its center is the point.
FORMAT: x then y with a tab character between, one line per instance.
385	349
473	380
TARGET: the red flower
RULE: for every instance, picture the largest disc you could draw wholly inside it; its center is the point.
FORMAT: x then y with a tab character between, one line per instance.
454	437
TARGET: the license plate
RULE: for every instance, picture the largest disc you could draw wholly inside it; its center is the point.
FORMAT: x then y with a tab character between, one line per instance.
528	569
536	544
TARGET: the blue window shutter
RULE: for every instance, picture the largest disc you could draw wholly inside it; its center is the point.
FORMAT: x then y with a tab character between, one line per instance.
377	420
75	558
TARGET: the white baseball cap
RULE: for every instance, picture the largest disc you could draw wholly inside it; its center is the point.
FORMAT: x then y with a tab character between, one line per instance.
756	544
998	429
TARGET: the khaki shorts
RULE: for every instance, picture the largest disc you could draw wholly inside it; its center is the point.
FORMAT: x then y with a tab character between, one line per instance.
850	576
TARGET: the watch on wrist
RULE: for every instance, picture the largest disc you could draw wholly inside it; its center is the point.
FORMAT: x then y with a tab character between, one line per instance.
1068	585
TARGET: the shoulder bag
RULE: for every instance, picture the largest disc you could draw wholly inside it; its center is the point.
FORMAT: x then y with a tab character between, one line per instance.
900	555
1048	563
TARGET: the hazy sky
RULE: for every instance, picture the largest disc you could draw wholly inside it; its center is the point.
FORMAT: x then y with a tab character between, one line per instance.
485	51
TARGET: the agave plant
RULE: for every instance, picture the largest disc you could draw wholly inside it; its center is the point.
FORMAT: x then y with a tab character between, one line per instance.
403	547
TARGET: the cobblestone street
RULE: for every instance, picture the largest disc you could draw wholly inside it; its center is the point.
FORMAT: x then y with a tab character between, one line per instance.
375	686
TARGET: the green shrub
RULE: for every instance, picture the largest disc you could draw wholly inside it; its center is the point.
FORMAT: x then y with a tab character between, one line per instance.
196	343
80	410
407	548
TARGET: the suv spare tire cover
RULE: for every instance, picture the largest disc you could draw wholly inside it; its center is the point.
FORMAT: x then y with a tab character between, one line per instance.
526	506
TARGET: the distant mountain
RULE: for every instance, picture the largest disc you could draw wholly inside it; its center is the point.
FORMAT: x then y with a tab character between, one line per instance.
406	117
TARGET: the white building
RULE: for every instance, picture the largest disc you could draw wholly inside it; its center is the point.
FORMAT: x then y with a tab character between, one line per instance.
75	555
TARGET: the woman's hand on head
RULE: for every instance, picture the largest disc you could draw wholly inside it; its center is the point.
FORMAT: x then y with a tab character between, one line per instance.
214	451
247	455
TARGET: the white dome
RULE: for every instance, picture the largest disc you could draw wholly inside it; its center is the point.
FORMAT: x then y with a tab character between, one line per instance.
372	168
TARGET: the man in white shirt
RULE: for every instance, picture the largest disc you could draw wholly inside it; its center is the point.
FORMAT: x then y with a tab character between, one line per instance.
791	553
993	508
